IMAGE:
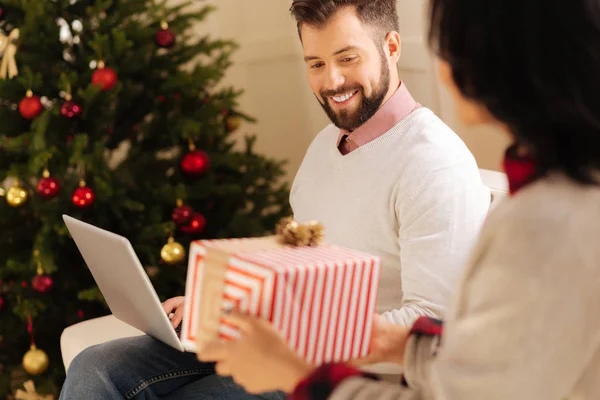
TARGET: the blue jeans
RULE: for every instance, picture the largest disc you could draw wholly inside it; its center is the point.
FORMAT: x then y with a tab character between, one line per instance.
144	368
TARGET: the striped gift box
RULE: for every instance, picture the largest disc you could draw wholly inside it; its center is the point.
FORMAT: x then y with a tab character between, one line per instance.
321	299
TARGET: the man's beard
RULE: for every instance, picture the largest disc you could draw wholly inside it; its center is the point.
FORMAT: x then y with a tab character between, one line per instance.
368	106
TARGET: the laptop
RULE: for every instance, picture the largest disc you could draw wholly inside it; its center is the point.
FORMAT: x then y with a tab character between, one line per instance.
122	280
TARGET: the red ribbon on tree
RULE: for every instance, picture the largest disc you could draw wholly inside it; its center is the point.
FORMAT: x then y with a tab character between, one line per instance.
30	329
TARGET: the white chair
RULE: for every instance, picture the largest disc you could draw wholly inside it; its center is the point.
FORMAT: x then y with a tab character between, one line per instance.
84	334
497	183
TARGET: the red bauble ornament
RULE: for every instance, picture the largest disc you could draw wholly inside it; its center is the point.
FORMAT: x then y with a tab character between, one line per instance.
196	225
195	163
1	302
164	37
182	214
48	187
83	196
70	109
30	106
80	313
42	283
104	76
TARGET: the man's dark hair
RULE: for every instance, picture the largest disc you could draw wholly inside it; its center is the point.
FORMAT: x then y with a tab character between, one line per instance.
378	14
535	65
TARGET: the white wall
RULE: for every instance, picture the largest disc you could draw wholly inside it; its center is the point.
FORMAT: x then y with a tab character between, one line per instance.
270	68
418	71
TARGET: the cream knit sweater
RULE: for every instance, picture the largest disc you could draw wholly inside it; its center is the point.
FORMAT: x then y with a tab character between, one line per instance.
413	197
526	320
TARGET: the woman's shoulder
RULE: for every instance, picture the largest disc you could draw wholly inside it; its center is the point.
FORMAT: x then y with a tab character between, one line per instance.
550	202
551	215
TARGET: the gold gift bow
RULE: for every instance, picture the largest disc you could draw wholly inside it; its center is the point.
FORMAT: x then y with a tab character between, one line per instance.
9	49
30	393
297	234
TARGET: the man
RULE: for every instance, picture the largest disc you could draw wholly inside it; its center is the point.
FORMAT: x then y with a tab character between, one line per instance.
387	177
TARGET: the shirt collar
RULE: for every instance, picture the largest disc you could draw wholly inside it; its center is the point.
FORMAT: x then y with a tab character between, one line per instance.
520	167
389	114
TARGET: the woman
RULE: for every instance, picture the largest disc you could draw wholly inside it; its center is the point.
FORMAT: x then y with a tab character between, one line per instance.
525	323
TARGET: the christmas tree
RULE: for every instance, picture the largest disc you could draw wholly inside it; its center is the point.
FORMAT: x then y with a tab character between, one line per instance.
112	112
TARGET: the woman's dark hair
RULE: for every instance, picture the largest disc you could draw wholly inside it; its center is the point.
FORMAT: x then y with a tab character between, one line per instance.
535	65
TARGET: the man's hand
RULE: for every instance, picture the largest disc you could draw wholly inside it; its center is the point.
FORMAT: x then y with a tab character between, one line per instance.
387	343
261	361
175	303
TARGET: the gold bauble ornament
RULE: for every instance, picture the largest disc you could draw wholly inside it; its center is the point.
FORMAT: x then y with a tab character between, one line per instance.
172	252
35	361
233	123
16	195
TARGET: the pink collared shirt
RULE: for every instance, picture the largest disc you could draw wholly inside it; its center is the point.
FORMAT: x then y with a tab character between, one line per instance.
391	112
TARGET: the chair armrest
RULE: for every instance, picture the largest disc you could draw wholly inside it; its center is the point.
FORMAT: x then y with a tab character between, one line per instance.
82	335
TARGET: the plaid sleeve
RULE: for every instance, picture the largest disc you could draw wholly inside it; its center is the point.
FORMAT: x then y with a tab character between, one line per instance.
425	327
324	380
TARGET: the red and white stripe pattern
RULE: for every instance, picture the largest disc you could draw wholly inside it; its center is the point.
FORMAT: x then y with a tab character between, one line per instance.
193	285
320	298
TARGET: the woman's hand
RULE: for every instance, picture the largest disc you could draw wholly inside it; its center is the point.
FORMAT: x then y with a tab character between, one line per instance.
260	361
387	343
175	303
